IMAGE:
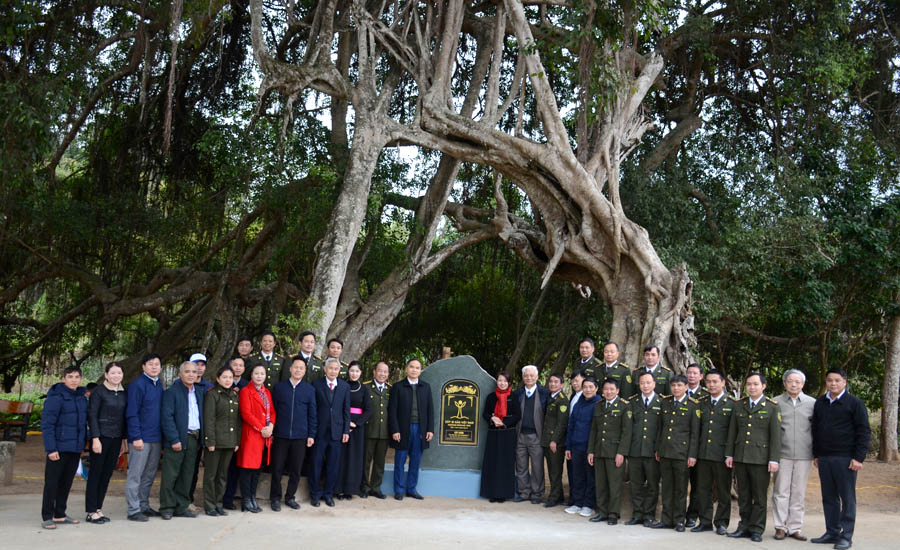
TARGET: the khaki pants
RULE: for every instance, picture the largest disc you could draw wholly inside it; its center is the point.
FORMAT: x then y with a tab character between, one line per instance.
789	494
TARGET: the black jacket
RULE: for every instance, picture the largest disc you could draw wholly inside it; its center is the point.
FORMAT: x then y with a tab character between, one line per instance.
332	414
400	412
295	407
174	416
841	428
106	413
513	411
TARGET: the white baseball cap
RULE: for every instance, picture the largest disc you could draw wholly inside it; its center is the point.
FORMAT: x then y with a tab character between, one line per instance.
198	357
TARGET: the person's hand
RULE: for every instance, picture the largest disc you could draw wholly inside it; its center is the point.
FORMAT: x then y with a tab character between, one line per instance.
345	438
96	446
773	467
352	425
236	448
176	446
729	462
656	455
568	455
591	459
396	437
553	447
816	462
124	447
310	442
138	444
212	448
620	459
692	462
855	465
54	456
429	436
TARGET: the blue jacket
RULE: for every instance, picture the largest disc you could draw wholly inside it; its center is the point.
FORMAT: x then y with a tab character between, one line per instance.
204	385
333	416
295	410
142	411
64	420
580	419
174	416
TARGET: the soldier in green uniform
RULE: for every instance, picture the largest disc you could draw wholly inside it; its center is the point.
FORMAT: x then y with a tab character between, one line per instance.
377	436
553	438
587	363
608	444
676	447
315	367
661	374
753	449
336	349
267	357
713	477
643	467
696	391
612	368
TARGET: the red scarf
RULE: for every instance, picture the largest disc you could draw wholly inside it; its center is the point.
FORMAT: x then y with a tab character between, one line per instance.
500	407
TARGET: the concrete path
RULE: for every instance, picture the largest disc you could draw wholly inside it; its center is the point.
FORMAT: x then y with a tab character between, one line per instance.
373	524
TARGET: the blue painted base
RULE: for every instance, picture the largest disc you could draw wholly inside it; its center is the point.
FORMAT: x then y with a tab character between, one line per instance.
439	483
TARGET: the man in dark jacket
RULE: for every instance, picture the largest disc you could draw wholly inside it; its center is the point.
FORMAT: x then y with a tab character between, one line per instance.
841	434
64	430
377	435
333	430
144	437
643	468
411	422
295	410
533	400
553	438
181	421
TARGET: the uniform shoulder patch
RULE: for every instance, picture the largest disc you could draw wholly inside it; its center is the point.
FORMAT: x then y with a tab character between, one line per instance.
625	401
772	401
692	400
367	382
663	367
665	397
625	366
317	357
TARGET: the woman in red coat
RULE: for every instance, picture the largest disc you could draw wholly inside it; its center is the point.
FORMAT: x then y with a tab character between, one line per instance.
258	415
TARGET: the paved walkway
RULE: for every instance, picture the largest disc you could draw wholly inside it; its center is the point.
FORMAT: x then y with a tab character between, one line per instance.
373	524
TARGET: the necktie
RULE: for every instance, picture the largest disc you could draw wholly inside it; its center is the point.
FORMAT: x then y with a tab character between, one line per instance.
646	402
752	405
608	405
331	386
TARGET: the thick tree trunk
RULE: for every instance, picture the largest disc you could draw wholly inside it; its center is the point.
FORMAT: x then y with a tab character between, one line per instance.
889	395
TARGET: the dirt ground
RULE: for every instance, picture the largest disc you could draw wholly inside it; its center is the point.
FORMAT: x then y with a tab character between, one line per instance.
444	522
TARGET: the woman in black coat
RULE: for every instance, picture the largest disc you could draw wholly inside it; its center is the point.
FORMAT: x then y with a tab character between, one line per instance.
498	471
106	420
350	478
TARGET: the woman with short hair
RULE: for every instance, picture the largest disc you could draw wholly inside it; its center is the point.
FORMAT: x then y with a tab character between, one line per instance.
221	438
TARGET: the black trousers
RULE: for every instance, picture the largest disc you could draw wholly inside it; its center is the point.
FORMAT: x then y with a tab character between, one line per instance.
102	467
838	495
250	479
693	509
287	457
582	486
58	477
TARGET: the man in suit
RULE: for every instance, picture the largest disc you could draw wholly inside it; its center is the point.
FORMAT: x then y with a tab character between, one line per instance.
333	418
553	438
411	422
609	443
181	421
841	435
267	357
377	434
576	379
754	451
713	477
314	365
695	390
676	450
586	363
616	370
643	468
335	349
533	399
661	374
789	490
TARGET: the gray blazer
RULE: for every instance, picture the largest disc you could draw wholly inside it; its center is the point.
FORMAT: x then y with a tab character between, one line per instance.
796	426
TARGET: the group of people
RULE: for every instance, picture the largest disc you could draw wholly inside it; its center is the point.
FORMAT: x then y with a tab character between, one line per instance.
263	412
669	432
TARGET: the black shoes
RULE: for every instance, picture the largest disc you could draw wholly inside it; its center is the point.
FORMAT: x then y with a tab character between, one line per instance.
722	530
186	514
211	513
249	505
537	500
363	494
634	521
314	502
598	518
292	504
151	513
329	502
229	506
378	494
416	496
398	496
679	527
659	525
612	521
166	515
755	537
648	523
552	503
138	517
738	534
690	523
221	511
275	505
843	544
825	539
701	528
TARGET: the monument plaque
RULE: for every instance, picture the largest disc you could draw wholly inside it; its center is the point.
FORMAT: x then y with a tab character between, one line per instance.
460	400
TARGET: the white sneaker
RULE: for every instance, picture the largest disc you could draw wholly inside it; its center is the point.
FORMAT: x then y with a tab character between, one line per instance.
574	509
586	512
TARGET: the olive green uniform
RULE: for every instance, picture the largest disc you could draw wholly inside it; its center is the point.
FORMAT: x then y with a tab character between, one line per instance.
622	374
661	375
643	467
315	369
591	367
222	430
377	437
693	509
610	436
754	440
273	367
713	477
556	423
677	442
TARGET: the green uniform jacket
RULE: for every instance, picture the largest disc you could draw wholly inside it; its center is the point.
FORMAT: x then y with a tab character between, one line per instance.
610	429
622	373
377	424
273	368
679	428
221	418
645	426
314	370
662	377
556	421
591	367
754	437
714	424
699	394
